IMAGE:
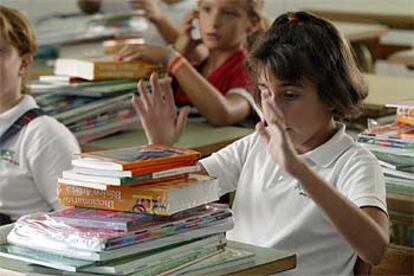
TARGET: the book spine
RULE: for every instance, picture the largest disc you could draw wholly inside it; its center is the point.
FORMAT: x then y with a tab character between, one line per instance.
122	70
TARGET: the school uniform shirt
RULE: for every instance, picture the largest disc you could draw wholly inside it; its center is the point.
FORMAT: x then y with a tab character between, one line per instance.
271	208
32	160
229	78
174	12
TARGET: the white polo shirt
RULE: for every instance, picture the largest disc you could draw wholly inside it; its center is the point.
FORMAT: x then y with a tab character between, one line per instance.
32	160
271	210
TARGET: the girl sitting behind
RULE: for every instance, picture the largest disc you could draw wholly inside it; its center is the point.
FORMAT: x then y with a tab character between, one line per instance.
301	182
35	149
220	86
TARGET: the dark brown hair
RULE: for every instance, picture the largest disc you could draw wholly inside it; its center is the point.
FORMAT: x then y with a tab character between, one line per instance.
17	31
301	46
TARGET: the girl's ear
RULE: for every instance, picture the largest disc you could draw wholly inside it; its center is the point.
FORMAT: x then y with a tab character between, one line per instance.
27	60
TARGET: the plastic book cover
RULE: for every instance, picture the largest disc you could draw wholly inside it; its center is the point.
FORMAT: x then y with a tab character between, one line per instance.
98	218
42	241
44	227
134	157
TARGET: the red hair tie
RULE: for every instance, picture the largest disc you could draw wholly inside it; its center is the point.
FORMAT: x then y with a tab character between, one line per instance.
293	19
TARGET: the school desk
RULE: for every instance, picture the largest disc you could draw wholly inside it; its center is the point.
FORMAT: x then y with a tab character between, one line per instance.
197	135
385	89
403	57
266	261
394	14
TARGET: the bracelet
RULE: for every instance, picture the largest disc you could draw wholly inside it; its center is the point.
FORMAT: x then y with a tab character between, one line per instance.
175	64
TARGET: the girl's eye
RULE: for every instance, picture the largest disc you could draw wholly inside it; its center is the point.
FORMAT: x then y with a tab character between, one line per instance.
205	9
290	95
229	13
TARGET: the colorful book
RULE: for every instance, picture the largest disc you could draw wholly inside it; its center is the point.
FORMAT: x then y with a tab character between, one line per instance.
20	253
135	157
120	180
162	199
161	259
47	235
154	261
104	69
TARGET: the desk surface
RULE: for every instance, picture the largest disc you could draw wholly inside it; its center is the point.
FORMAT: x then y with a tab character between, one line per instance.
199	136
360	32
404	57
387	89
390	13
266	261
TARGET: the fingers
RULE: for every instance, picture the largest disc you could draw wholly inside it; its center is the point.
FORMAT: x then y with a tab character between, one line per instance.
168	93
274	114
262	131
139	106
155	87
145	96
182	120
128	52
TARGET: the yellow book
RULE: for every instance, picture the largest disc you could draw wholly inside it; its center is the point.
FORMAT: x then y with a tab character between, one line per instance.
104	69
163	199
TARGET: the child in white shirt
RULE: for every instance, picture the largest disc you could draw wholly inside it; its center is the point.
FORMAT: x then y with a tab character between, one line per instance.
301	183
32	159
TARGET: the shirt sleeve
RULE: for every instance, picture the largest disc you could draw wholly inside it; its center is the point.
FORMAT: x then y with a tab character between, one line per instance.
48	157
227	163
363	181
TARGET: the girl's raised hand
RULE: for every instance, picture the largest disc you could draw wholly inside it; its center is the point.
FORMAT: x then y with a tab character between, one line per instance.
151	8
275	136
158	113
156	54
185	40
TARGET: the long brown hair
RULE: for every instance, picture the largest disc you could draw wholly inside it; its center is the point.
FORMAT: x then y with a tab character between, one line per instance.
17	31
255	10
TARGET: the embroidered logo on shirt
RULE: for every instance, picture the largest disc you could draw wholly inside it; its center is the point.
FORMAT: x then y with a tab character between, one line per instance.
8	155
298	186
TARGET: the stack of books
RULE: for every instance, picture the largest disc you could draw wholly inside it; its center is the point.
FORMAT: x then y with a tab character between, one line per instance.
135	210
393	145
93	106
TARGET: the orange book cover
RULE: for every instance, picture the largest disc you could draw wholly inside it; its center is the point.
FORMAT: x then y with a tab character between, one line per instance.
164	198
137	157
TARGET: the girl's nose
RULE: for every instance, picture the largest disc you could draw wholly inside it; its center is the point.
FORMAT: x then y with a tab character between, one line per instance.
215	19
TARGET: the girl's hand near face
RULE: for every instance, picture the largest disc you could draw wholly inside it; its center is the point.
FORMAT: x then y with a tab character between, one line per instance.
279	144
158	113
185	41
156	54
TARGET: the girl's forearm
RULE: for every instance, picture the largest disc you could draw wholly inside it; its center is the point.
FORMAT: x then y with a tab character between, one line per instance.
215	107
364	234
166	29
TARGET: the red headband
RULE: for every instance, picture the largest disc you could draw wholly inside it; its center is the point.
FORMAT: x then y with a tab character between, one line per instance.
293	19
